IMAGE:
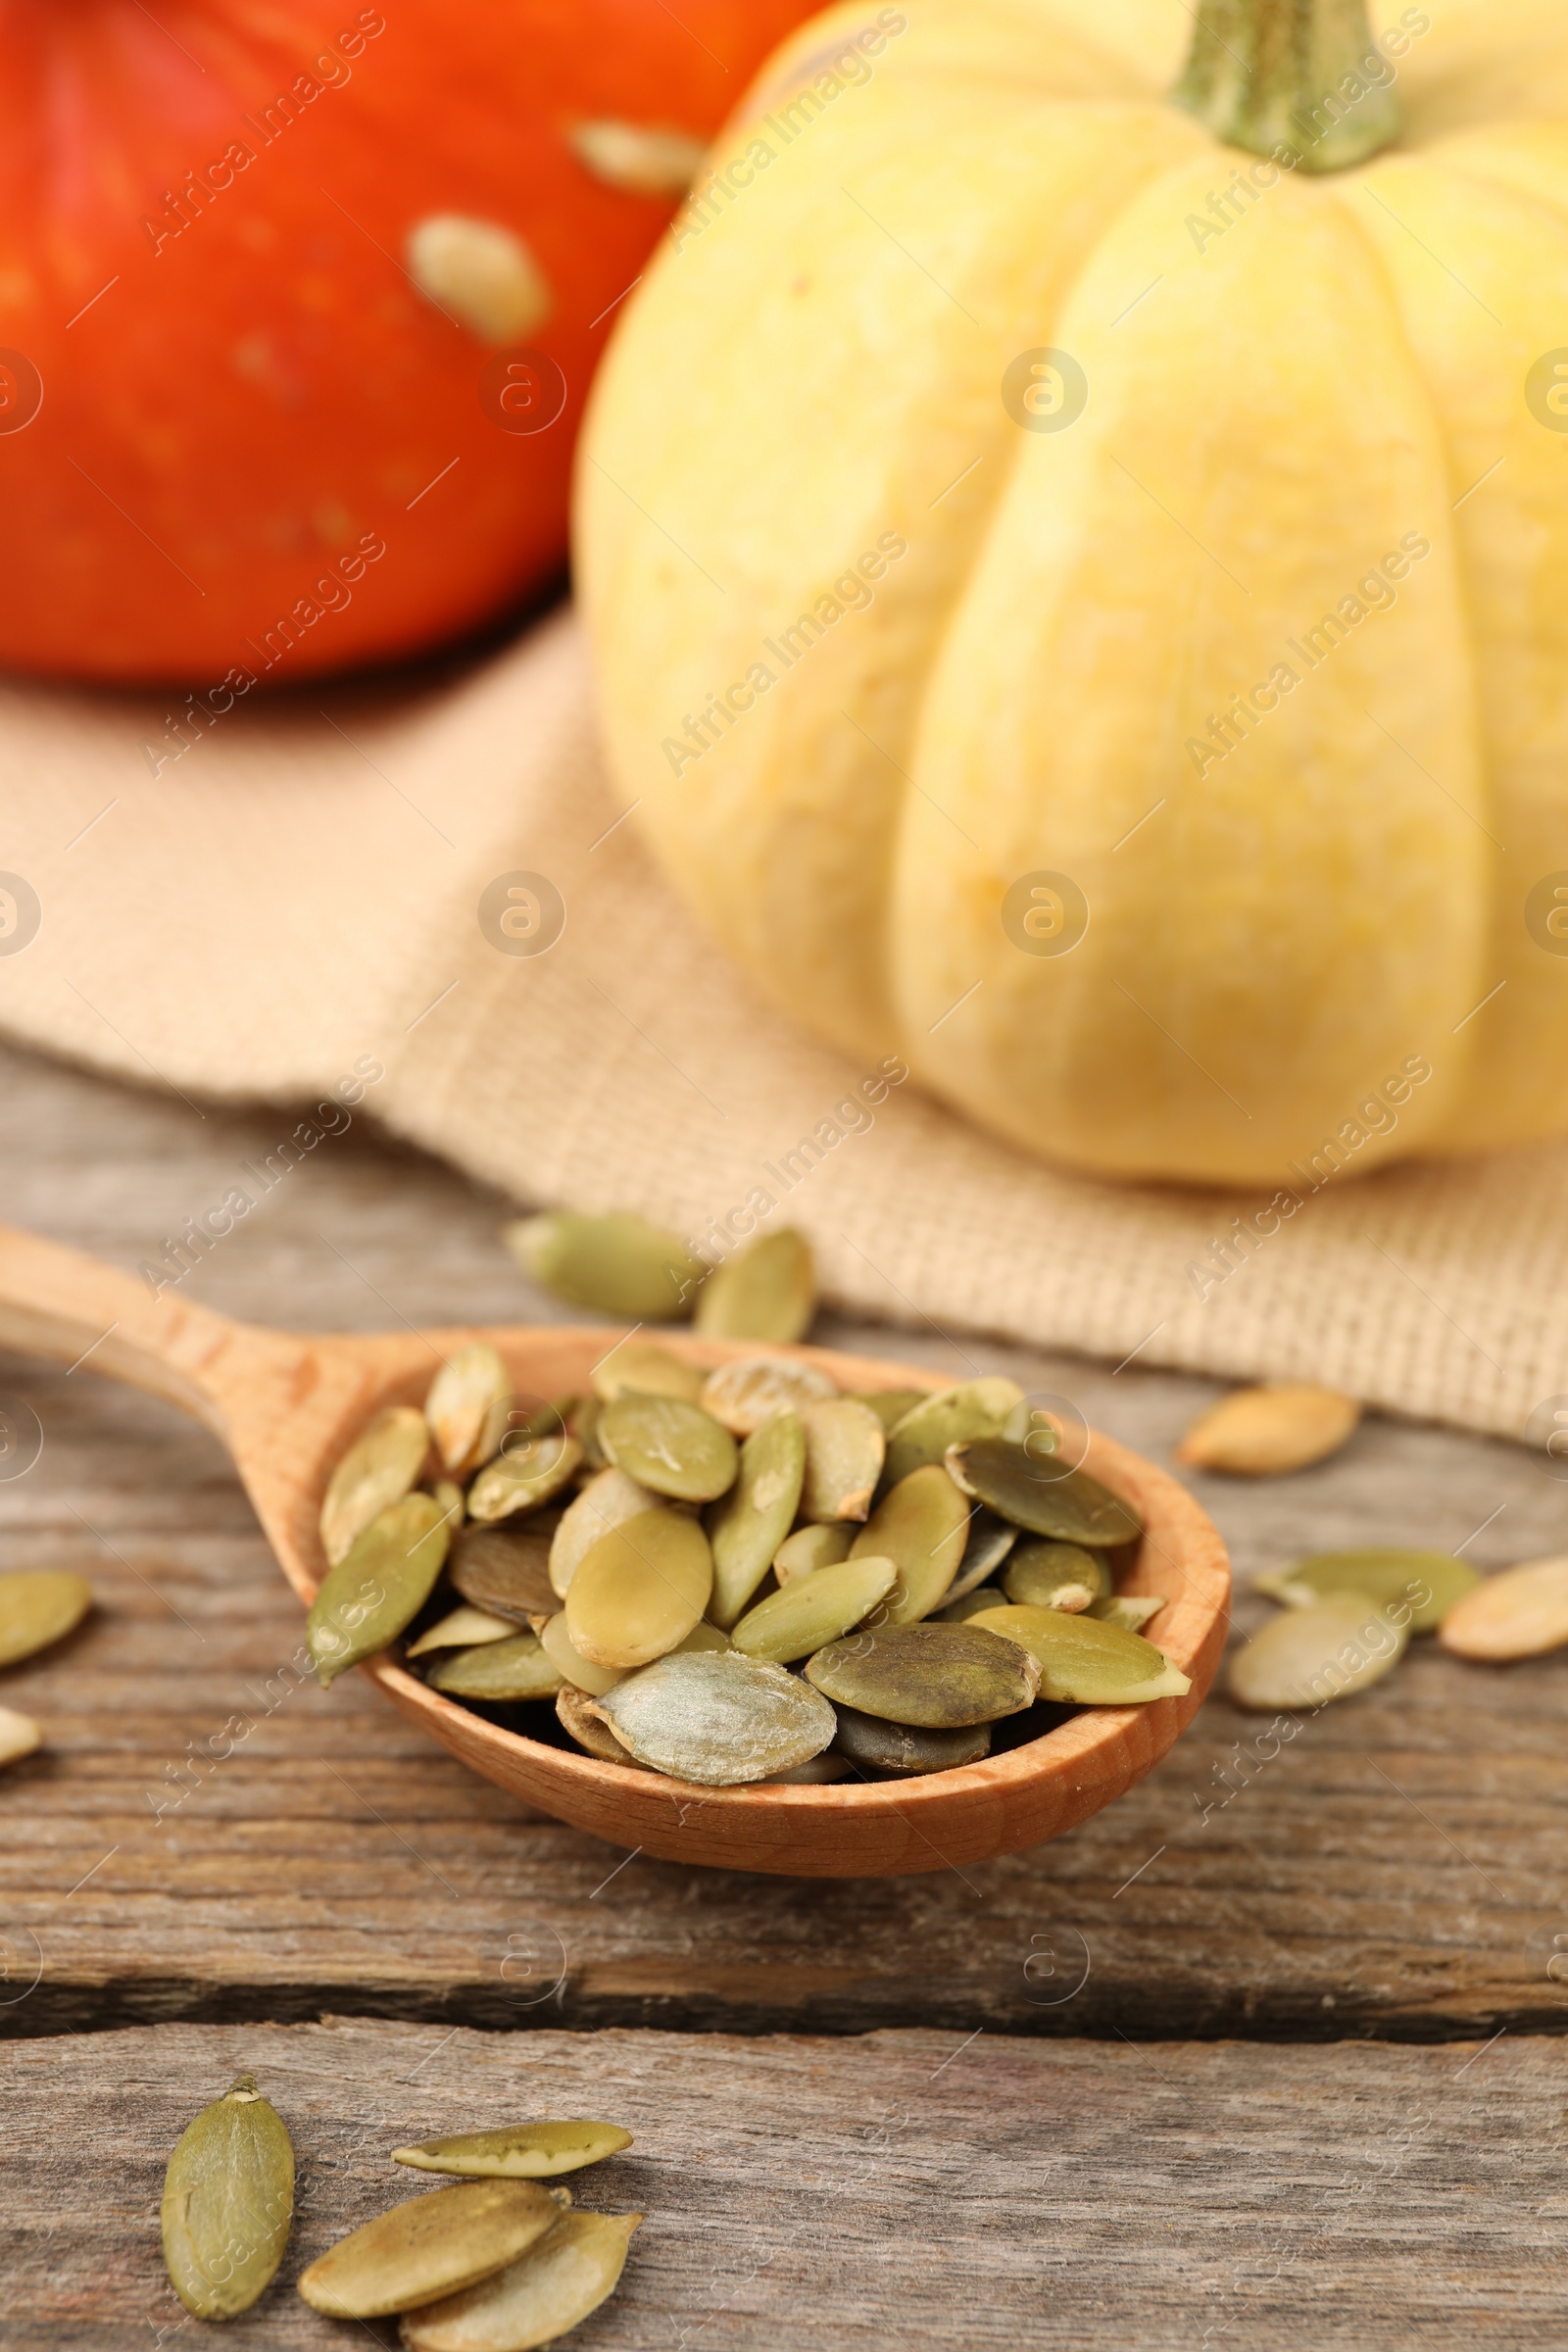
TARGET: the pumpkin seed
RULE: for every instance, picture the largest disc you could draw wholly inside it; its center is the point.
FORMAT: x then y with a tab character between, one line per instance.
453	1502
986	1546
901	1750
813	1610
504	1570
1132	1611
669	1447
810	1548
518	2151
568	1661
766	1290
1520	1613
922	1526
753	1519
640	1590
744	1395
20	1736
618	1265
1427	1583
376	1472
466	1407
608	1501
1306	1657
935	1677
1069	1506
976	1410
1266	1432
635	1367
38	1606
535	2300
523	1475
428	2246
583	1425
817	1772
844	1450
719	1719
640	161
1085	1662
970	1604
574	1713
513	1669
891	1404
463	1629
228	2198
1056	1576
379	1588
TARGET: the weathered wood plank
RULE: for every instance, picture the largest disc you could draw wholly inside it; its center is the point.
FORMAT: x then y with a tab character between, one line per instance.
900	2193
1396	1869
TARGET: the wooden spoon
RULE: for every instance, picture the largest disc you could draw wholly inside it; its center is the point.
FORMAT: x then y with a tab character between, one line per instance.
287	1407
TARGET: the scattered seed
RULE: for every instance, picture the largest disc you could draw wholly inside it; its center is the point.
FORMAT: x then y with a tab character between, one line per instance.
532	2302
1520	1613
228	2198
1085	1662
38	1606
483	272
744	1395
1426	1584
641	162
1023	1486
575	1714
936	1677
844	1450
766	1290
1306	1657
428	2246
463	1629
527	1473
20	1736
466	1407
922	1526
376	1472
719	1719
753	1519
901	1750
568	1661
810	1548
1266	1432
619	1265
367	1599
813	1610
668	1446
515	1669
976	1410
640	1590
506	1570
518	2151
636	1367
607	1501
1056	1576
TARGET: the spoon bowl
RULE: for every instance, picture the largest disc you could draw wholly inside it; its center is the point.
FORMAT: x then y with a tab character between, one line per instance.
288	1405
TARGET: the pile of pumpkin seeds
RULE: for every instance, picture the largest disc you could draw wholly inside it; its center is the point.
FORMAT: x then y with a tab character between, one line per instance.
738	1575
496	2263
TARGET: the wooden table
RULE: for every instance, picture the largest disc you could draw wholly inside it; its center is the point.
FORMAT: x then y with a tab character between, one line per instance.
1266	2052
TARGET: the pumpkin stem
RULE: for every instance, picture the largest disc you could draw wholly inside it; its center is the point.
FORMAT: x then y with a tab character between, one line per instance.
1300	81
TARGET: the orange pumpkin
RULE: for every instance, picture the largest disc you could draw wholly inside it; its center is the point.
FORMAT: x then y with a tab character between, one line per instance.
298	309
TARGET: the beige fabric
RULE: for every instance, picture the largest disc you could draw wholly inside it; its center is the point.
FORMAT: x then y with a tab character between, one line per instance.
301	889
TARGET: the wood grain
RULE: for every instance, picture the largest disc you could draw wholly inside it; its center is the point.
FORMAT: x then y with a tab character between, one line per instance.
905	2192
1395	1870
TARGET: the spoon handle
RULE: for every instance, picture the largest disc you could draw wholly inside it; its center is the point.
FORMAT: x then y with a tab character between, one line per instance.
58	1304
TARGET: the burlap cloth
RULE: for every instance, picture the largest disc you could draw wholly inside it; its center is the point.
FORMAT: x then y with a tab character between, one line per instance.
301	889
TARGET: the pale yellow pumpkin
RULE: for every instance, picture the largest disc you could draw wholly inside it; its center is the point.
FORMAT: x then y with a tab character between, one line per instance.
1334	395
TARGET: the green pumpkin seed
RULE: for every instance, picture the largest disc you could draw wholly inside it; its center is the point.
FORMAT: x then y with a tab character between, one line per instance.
669	1447
1425	1583
575	1714
1056	1576
453	1504
506	1570
515	1669
1306	1657
467	1406
463	1629
976	1410
428	2246
1070	1506
1132	1611
1084	1662
813	1610
376	1472
535	2300
719	1719
901	1751
38	1606
922	1525
810	1548
743	1395
618	1265
524	1475
891	1404
568	1661
817	1772
367	1599
518	2151
20	1736
635	1367
970	1604
936	1677
766	1290
844	1450
640	1590
228	2198
607	1501
753	1519
986	1546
